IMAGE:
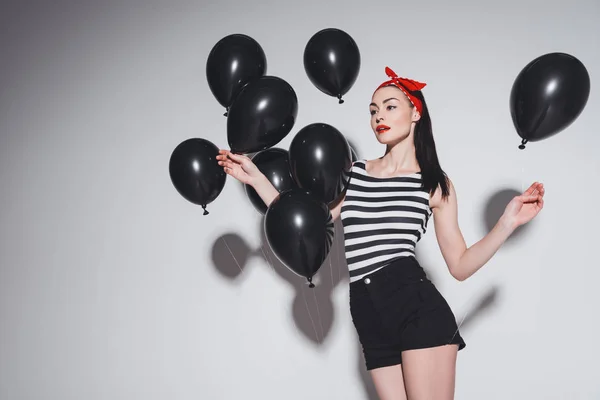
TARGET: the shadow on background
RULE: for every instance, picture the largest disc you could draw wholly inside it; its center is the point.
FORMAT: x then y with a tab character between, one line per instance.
494	209
478	304
313	309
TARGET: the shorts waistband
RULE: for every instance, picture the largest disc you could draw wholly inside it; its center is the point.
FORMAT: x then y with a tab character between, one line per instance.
402	270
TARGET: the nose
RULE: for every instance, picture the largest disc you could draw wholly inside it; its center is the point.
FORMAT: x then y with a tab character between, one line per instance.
378	119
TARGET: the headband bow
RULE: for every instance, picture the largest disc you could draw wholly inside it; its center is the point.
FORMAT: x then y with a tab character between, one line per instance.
406	85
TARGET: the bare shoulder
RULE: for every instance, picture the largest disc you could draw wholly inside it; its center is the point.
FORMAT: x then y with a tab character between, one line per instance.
436	202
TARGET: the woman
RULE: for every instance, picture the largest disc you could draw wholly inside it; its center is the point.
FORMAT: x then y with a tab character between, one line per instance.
408	332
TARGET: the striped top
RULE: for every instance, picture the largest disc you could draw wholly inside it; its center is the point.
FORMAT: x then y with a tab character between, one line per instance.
383	219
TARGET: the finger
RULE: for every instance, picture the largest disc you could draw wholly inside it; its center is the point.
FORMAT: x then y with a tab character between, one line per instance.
532	198
530	189
225	164
237	158
230	165
229	170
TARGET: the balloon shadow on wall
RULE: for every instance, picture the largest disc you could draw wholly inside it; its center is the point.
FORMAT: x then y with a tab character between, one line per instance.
230	254
312	308
477	305
483	303
494	208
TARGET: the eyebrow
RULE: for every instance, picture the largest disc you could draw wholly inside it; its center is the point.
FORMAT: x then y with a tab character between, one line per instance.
385	101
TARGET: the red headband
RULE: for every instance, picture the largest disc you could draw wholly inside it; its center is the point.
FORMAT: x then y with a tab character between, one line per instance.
406	85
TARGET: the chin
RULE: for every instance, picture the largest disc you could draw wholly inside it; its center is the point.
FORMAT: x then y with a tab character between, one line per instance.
387	139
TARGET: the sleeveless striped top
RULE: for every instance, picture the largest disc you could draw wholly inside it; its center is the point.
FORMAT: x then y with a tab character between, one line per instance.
383	219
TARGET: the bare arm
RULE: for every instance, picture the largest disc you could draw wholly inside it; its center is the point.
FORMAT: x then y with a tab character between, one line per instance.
265	189
464	261
268	193
244	170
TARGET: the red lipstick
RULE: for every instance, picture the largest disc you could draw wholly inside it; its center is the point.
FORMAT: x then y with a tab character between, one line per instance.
382	128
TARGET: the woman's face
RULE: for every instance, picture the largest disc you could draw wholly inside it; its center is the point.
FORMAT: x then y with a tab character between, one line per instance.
392	115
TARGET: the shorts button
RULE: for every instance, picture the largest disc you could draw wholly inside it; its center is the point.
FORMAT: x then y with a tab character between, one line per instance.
367	281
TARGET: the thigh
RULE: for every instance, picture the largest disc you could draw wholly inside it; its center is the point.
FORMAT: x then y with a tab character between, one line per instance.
389	382
430	373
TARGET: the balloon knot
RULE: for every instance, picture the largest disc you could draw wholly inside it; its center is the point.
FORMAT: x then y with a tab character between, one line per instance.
226	112
310	284
205	212
340	99
522	145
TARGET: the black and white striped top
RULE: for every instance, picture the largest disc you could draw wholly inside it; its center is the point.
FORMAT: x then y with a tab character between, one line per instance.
383	219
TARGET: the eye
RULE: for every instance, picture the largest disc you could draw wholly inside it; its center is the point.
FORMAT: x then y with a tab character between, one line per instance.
372	112
391	107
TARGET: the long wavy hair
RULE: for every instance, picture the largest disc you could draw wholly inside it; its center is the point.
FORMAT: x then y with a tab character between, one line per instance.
431	171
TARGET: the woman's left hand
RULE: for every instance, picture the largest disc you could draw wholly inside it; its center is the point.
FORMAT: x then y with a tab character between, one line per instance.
525	207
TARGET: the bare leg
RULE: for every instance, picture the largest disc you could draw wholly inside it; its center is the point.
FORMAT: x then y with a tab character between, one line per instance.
429	374
389	382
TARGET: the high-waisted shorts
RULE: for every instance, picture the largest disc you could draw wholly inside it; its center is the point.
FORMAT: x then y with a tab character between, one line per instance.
397	308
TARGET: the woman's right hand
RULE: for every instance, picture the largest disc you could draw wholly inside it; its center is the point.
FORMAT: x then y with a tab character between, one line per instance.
239	166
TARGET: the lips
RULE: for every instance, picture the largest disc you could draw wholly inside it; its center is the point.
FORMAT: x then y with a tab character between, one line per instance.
382	128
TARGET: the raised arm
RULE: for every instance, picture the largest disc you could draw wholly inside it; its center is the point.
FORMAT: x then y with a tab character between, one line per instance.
463	261
244	170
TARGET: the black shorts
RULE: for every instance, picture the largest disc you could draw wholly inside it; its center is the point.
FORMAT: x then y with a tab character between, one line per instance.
397	308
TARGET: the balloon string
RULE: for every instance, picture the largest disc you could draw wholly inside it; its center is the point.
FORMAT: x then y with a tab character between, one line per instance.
310	316
231	252
463	318
522	179
319	315
523	162
331	270
267	258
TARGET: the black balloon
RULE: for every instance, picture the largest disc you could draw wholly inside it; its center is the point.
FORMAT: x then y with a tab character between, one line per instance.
299	229
320	161
548	95
233	62
262	115
274	163
195	171
332	62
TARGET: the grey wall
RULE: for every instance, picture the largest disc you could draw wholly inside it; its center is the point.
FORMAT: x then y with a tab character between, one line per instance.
112	286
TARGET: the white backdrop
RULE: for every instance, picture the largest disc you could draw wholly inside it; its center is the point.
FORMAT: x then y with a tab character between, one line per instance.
112	286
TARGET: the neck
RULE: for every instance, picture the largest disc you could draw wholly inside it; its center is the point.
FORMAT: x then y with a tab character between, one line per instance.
400	156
